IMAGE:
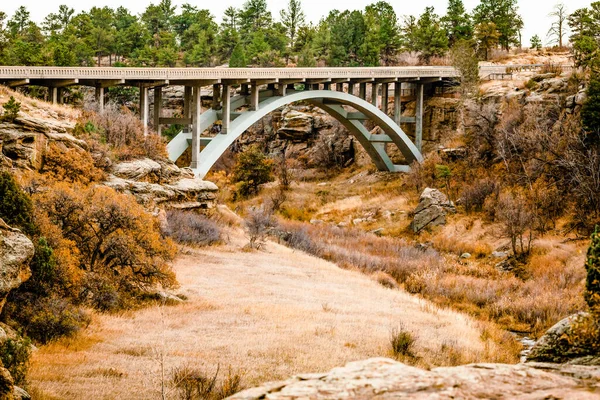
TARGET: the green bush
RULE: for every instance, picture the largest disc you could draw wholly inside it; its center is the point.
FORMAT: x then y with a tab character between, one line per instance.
11	109
15	354
15	205
590	112
592	265
252	169
402	342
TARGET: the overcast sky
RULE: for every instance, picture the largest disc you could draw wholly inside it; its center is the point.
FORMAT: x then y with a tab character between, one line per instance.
534	12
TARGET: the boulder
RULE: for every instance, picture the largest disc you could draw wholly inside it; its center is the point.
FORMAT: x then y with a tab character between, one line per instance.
140	170
15	252
556	347
432	210
296	126
388	379
580	98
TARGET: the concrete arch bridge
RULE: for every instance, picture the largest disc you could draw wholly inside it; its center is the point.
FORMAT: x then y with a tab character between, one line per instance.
242	96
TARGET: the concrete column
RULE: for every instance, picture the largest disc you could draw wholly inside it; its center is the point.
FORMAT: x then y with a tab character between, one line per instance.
144	108
59	95
216	103
419	117
327	86
100	99
385	95
362	90
196	109
397	102
351	88
254	97
157	109
187	106
226	118
281	89
375	94
54	95
245	90
339	87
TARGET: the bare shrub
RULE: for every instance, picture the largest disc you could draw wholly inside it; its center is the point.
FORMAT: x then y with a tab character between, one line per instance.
552	68
123	132
473	197
259	224
190	228
402	342
194	384
517	220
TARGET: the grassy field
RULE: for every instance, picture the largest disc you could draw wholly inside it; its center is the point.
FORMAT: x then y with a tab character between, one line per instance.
267	315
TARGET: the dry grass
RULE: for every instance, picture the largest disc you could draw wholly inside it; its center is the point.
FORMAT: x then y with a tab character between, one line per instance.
39	108
270	314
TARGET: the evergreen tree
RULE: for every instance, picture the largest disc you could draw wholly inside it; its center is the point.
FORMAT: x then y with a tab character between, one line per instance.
431	40
457	22
293	19
590	112
536	43
486	36
592	265
503	13
382	39
238	58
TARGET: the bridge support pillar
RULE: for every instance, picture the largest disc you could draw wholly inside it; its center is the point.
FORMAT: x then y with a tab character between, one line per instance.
327	86
216	102
157	109
100	99
339	87
362	90
196	108
398	102
144	108
254	97
226	118
419	117
351	89
375	94
187	106
54	95
281	89
385	96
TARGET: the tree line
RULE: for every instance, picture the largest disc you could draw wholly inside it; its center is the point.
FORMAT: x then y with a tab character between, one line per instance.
162	35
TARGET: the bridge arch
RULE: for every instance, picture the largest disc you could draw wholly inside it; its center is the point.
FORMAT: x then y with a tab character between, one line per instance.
331	102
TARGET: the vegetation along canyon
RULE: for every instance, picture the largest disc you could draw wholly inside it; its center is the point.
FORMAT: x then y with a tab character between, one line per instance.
254	204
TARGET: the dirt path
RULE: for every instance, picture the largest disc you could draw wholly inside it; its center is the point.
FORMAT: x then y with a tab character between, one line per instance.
272	314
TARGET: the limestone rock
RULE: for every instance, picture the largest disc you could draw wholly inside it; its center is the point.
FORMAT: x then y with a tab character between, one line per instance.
15	252
296	126
139	170
432	210
555	346
387	379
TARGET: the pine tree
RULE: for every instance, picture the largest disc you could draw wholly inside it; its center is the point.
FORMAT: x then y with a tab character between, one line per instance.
536	43
238	58
457	22
592	265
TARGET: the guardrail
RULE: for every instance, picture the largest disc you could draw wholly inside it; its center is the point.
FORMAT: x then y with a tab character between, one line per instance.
102	73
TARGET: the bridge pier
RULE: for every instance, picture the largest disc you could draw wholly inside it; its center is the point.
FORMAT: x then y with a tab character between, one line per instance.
362	90
196	108
187	107
385	97
419	116
100	98
226	118
375	94
397	102
216	103
254	97
144	107
157	109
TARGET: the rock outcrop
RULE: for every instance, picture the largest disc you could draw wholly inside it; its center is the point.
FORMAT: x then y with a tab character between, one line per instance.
387	379
432	210
556	345
15	252
162	184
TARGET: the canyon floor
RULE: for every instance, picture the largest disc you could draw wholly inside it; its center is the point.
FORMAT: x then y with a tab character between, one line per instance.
266	314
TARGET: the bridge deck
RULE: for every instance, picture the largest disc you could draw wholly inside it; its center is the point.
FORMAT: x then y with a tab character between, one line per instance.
93	75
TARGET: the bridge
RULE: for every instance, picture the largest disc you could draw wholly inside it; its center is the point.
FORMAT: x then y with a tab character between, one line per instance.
242	96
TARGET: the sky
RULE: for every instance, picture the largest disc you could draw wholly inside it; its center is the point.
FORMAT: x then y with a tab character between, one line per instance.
534	12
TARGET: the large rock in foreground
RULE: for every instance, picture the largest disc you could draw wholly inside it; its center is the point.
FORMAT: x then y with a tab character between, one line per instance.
556	346
432	209
15	252
387	379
